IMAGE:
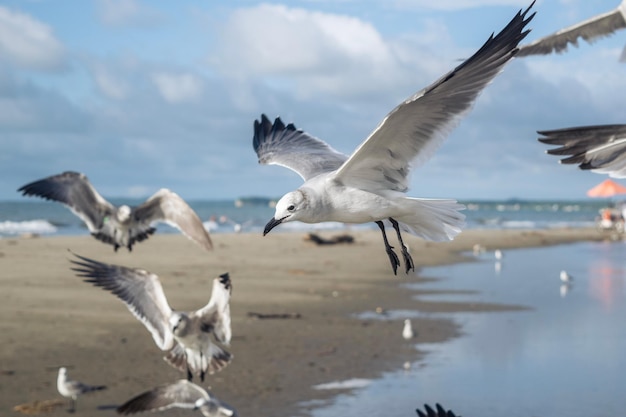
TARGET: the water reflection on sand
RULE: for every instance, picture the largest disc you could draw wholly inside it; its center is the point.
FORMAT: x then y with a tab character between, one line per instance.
566	356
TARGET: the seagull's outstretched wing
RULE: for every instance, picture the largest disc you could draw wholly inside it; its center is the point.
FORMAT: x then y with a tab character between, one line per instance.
181	394
590	30
217	312
601	149
439	412
167	206
411	133
140	290
294	149
75	191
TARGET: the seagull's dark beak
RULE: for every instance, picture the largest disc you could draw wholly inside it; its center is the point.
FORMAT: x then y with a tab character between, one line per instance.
272	224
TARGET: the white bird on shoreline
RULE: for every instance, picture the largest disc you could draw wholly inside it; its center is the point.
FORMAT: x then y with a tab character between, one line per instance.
590	30
601	148
120	226
72	389
566	277
185	335
407	331
370	185
181	394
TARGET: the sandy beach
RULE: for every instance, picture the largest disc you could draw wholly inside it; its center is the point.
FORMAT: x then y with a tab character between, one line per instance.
51	319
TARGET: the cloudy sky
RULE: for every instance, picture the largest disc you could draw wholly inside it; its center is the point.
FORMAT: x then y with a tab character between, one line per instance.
141	95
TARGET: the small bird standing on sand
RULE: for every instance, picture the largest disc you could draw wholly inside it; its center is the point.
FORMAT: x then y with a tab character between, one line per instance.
120	226
181	394
185	335
566	277
407	331
72	389
370	184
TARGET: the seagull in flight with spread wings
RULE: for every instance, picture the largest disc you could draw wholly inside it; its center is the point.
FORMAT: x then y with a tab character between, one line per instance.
590	30
120	226
601	149
181	394
185	335
370	185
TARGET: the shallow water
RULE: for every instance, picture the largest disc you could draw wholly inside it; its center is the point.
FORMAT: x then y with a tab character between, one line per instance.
566	356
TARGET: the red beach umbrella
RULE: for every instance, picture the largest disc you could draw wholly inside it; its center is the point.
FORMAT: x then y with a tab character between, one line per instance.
607	188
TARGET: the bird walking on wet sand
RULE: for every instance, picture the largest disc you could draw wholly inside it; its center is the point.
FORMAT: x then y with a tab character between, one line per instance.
566	277
407	331
181	394
370	184
121	226
185	335
73	389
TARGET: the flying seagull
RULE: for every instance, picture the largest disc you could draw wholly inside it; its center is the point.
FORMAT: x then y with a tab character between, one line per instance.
72	389
439	412
181	394
119	226
601	149
185	335
370	185
590	30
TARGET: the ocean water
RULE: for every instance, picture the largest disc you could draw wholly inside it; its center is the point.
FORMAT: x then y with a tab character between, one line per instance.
563	357
31	215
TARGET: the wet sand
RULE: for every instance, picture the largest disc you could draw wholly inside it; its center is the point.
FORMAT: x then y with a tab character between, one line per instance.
51	319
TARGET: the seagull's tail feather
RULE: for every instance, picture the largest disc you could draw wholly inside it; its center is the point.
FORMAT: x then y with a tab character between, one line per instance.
213	360
436	220
90	388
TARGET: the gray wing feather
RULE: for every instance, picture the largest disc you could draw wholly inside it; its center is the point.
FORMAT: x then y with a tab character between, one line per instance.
293	148
411	133
140	290
217	311
181	394
167	206
590	30
439	411
75	191
601	149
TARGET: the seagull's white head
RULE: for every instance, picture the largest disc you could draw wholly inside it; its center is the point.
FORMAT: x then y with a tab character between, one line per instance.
62	372
292	206
123	213
178	323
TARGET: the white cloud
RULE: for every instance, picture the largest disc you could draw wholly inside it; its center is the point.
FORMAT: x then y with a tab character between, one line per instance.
314	53
109	84
28	43
126	13
449	5
177	88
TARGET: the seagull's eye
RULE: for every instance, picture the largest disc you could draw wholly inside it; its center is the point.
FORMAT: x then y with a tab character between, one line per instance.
291	208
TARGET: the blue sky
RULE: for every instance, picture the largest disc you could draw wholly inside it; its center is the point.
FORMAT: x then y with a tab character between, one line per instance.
140	95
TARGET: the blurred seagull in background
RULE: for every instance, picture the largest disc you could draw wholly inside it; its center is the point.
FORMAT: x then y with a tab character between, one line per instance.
601	149
566	277
120	226
370	184
181	394
72	389
407	331
186	335
590	30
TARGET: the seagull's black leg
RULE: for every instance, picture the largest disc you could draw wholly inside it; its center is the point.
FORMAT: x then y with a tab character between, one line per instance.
189	374
116	247
72	406
201	367
408	261
393	258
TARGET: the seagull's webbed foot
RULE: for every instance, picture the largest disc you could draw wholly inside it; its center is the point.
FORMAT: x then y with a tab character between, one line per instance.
408	260
393	258
116	247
